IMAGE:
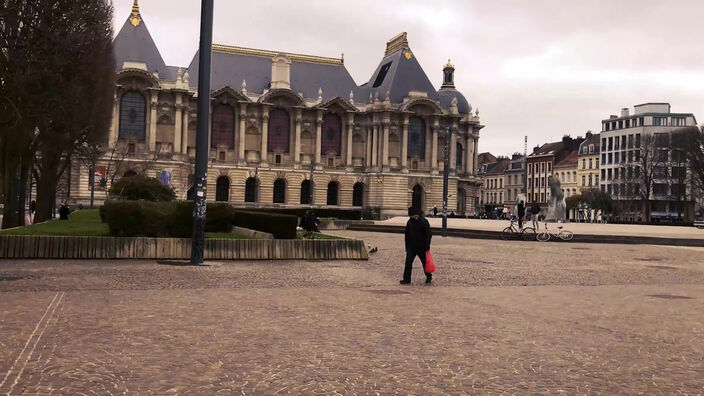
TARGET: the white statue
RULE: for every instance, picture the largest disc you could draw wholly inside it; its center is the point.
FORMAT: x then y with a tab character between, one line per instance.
557	209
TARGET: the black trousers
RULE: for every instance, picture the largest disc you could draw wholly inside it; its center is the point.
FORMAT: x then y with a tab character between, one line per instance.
410	257
520	221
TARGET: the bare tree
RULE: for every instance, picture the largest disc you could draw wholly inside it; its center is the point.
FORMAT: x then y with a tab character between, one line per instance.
693	142
649	161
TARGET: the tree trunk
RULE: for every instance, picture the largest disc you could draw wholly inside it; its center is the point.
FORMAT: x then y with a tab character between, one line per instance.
14	180
46	187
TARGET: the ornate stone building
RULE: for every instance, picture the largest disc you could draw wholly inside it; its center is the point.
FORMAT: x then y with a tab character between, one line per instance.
290	129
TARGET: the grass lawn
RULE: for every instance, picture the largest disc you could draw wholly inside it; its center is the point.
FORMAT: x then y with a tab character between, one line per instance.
81	223
86	222
317	235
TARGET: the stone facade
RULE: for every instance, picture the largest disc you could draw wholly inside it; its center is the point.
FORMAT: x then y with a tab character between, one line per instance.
276	141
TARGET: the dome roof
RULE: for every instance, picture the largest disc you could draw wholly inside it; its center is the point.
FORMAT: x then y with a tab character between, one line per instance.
446	95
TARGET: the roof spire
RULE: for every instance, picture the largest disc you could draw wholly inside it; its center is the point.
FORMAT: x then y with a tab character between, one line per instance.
135	18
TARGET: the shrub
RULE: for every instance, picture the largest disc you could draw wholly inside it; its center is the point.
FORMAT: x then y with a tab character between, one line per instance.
280	225
140	187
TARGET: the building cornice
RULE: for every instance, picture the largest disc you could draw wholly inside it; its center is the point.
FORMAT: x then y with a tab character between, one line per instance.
270	54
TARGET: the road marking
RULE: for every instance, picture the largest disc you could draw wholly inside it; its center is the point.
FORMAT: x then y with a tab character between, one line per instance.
23	358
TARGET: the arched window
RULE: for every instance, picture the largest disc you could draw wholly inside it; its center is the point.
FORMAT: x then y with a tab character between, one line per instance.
416	137
458	157
306	191
279	191
223	128
129	173
250	190
331	138
417	197
222	189
358	194
279	131
133	113
333	193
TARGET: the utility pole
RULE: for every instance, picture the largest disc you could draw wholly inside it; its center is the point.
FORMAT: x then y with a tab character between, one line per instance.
204	56
445	178
525	167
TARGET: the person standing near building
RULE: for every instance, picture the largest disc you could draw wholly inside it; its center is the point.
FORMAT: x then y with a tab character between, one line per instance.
521	214
418	238
534	210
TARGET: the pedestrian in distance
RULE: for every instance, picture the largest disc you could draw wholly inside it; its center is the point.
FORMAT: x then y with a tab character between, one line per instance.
534	210
521	214
435	211
64	211
309	223
418	238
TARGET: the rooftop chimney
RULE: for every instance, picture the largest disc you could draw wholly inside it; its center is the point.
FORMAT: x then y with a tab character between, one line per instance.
624	112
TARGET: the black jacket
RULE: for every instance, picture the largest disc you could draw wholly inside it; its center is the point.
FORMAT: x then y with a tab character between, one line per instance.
521	209
418	235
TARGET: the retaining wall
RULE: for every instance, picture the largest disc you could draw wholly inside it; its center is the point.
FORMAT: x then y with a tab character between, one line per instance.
73	247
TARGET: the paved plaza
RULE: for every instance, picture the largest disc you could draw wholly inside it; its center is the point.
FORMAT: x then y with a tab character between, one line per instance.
640	230
500	317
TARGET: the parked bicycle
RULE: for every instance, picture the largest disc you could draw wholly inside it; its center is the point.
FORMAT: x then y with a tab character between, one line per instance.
512	231
561	233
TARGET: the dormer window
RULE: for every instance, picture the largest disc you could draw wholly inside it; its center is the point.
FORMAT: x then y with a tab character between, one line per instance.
382	74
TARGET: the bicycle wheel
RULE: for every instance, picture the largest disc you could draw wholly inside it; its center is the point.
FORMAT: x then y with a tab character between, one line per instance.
507	233
566	235
543	236
528	234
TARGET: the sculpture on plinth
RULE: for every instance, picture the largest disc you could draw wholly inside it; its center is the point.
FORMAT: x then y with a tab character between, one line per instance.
557	209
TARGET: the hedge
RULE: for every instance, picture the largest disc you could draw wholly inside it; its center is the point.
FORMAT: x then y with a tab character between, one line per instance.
342	214
175	219
140	187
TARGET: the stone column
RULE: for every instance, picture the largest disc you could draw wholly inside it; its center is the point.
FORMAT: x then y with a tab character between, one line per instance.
375	145
184	138
152	120
265	137
241	155
434	154
404	145
297	141
385	149
368	147
114	133
178	127
475	161
319	141
453	150
469	154
350	132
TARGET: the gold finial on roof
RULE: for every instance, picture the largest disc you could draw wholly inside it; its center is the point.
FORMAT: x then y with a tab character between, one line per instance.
135	18
449	64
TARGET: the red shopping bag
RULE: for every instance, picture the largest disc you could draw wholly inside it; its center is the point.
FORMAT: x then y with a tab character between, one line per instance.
429	263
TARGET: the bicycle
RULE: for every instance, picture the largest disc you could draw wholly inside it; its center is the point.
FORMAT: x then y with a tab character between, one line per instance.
544	236
527	233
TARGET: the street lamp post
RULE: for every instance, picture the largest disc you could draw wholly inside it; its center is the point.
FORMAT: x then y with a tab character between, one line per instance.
312	168
445	178
204	57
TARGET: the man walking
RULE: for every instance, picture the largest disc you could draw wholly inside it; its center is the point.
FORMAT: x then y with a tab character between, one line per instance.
534	210
417	243
521	214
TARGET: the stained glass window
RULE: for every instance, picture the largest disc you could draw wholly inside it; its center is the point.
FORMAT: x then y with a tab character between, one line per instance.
279	131
133	110
223	128
331	138
416	137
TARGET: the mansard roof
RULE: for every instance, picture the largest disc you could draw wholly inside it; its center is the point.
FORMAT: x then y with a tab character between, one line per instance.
398	73
447	94
232	65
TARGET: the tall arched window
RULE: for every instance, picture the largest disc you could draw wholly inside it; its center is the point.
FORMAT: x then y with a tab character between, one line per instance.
223	128
280	191
331	138
358	194
250	190
279	131
222	189
416	137
133	113
333	193
306	191
417	197
458	157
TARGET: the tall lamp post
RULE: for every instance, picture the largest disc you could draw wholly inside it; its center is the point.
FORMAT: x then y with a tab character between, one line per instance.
445	178
310	193
205	48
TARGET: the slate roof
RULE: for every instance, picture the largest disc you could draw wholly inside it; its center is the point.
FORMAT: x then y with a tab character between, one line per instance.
548	148
231	67
446	95
404	75
498	168
570	160
595	140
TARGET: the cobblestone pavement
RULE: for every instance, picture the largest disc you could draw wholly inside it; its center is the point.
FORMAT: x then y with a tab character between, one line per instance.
500	317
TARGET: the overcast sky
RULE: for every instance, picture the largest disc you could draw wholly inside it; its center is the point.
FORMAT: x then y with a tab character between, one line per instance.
541	68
